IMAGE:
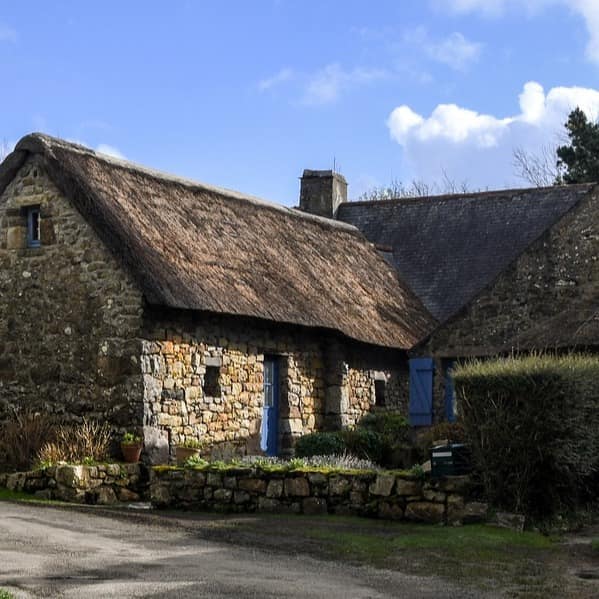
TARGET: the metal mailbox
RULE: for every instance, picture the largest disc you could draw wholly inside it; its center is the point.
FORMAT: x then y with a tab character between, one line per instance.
452	459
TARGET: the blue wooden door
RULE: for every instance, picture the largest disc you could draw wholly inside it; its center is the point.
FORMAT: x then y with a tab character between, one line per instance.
269	434
421	391
449	391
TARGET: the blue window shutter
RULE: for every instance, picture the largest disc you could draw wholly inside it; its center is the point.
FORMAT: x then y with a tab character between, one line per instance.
449	391
421	391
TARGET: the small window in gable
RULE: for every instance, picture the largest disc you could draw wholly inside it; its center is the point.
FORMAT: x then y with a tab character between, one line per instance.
379	392
33	227
211	386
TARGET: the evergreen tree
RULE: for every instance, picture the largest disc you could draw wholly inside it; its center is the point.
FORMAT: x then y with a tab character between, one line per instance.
578	162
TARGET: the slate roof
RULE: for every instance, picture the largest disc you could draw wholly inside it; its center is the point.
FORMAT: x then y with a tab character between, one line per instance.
448	248
197	247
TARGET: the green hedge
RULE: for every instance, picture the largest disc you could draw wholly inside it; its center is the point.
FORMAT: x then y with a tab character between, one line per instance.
533	426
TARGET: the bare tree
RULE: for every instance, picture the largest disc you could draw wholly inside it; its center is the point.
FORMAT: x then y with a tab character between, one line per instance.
539	169
416	189
4	149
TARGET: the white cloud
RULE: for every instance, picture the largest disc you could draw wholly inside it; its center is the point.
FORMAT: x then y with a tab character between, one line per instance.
282	76
494	8
477	146
326	85
110	151
455	50
587	9
448	122
7	34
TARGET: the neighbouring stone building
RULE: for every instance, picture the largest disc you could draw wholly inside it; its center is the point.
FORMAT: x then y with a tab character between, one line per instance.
505	271
186	311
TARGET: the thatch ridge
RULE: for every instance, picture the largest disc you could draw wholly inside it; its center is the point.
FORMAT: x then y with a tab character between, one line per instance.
39	143
196	247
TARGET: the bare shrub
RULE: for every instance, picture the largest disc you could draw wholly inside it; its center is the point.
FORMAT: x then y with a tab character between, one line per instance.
345	461
89	440
21	439
92	440
51	453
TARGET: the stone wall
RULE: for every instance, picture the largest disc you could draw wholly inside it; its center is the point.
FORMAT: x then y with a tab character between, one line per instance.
558	269
102	484
69	315
320	387
383	495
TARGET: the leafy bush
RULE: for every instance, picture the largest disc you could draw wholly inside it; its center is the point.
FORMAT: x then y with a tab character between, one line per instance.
21	438
532	426
452	432
343	461
382	438
195	461
130	438
393	448
192	443
319	444
392	425
365	444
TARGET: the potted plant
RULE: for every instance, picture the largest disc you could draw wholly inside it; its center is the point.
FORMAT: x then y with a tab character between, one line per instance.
187	449
131	445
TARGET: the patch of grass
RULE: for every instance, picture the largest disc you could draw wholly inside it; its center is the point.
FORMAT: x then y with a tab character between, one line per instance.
473	541
595	546
474	554
8	495
4	594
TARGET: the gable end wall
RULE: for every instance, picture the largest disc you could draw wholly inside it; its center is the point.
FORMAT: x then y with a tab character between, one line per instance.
69	314
558	269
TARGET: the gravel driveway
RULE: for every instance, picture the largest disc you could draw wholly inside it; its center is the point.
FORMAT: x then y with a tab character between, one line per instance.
59	552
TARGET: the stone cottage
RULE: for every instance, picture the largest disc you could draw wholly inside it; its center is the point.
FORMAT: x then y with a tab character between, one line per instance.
187	311
511	270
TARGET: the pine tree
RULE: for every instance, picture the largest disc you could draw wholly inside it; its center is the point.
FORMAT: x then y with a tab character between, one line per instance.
578	162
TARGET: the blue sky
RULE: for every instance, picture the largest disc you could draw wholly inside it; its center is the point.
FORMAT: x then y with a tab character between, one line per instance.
247	94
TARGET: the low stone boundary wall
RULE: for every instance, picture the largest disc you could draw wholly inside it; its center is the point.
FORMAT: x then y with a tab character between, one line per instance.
104	484
383	495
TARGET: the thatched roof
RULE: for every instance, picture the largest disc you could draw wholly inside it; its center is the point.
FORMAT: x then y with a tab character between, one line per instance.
449	248
196	247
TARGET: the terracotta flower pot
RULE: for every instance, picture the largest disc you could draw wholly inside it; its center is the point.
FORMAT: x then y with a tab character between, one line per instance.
182	453
131	453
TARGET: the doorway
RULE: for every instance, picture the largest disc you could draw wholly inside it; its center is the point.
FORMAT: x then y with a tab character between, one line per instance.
269	434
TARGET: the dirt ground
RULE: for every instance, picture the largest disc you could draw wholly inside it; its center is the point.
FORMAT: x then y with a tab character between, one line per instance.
61	552
49	551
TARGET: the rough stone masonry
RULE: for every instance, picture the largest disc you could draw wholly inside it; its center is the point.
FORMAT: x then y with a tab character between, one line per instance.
78	339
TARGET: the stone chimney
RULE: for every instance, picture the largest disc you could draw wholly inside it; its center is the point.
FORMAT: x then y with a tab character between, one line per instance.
321	192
